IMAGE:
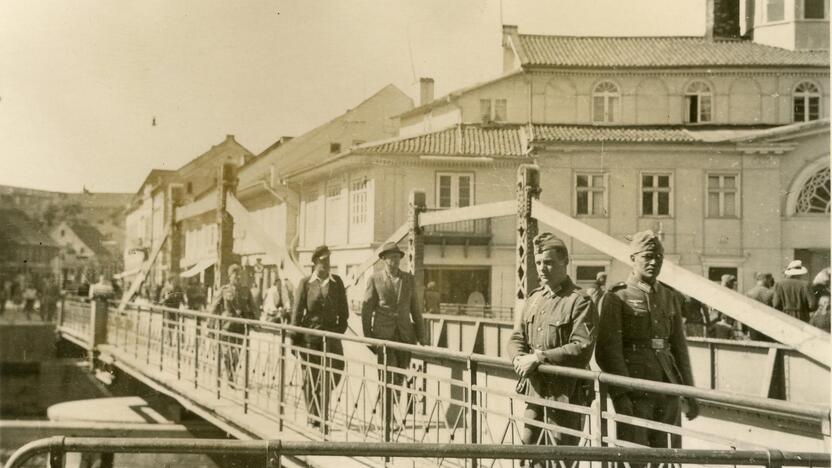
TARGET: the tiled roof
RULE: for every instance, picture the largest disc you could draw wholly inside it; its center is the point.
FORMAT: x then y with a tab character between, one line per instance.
17	229
589	134
91	236
632	52
464	140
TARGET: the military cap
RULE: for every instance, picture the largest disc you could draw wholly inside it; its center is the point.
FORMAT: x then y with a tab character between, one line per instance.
234	268
645	241
547	241
320	252
389	247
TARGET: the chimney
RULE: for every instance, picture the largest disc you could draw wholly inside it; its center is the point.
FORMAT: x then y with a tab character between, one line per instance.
425	91
722	19
510	41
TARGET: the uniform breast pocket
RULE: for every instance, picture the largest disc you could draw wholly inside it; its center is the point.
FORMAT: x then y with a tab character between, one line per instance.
635	323
558	334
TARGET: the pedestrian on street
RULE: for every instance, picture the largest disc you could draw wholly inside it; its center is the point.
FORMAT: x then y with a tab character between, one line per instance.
557	326
820	288
599	288
641	335
232	301
321	305
391	311
274	309
49	299
172	297
763	293
792	295
30	296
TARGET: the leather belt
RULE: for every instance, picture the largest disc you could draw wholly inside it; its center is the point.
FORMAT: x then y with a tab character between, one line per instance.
653	343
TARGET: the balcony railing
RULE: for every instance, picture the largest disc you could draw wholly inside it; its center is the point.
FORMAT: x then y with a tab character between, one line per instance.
472	232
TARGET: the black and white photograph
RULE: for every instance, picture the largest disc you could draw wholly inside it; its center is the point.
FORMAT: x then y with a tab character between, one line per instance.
401	233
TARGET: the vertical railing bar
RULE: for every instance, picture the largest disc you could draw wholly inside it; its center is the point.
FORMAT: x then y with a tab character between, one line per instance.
179	346
324	374
280	376
136	333
149	332
56	458
385	401
196	352
246	344
162	336
219	353
472	401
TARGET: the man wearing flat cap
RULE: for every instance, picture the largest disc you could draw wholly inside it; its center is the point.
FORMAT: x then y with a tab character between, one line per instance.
557	326
641	335
233	301
321	304
392	311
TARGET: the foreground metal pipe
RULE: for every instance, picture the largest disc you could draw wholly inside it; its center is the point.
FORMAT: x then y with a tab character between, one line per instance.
275	449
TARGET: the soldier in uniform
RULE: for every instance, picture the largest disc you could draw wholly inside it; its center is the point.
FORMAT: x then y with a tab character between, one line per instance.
233	301
557	326
641	335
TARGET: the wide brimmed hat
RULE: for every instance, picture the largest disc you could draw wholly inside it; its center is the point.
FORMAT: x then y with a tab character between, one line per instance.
389	247
796	268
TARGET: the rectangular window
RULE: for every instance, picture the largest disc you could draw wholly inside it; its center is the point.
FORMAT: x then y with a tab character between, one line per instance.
656	191
590	194
359	192
775	10
485	110
723	196
699	108
454	190
813	9
500	110
806	108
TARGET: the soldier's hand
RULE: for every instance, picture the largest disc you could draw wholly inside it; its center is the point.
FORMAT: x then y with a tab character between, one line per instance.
525	364
692	408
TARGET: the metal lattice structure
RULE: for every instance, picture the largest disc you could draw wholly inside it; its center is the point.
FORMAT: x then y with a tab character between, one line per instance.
814	197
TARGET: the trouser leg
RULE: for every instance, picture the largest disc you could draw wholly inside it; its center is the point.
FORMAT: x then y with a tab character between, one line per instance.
312	384
668	411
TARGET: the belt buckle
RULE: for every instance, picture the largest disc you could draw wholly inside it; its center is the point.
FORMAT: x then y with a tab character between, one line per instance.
657	343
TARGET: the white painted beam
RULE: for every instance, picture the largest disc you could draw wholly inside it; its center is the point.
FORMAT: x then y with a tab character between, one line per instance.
487	210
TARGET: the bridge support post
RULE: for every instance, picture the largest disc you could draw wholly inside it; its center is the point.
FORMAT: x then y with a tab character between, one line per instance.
225	225
98	326
528	189
415	241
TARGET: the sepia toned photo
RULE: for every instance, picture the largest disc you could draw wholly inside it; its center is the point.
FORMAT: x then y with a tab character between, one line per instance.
366	233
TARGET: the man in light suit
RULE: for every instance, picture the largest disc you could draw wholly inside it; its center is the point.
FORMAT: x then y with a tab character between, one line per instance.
391	310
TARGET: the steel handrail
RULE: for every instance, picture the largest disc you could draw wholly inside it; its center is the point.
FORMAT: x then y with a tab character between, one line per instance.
791	408
273	450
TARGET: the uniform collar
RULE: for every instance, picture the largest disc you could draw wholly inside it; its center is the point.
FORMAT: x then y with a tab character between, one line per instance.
565	284
322	281
635	282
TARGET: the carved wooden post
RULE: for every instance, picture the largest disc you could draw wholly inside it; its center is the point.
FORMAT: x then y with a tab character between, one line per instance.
225	225
528	189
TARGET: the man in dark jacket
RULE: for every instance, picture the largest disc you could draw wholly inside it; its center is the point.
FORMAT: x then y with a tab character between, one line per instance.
557	326
641	335
792	295
762	292
232	301
321	305
392	311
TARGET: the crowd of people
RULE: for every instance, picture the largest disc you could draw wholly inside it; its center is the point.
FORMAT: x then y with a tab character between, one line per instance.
30	294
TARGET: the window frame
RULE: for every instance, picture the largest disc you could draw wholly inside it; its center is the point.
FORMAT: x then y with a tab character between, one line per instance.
721	190
353	202
608	118
806	97
492	103
577	261
670	190
455	176
699	96
823	12
589	189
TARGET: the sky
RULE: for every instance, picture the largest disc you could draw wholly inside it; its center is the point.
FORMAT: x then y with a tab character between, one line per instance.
81	82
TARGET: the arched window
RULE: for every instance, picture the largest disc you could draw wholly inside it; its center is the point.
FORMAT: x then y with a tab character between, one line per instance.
806	102
814	197
698	102
605	102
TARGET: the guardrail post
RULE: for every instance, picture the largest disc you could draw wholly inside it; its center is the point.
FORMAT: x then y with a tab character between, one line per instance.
56	458
386	398
597	429
178	346
528	189
98	325
219	357
473	426
281	376
246	344
196	352
149	333
324	375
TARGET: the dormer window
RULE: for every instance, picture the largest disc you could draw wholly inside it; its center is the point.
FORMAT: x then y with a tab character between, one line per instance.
605	102
698	103
493	110
806	102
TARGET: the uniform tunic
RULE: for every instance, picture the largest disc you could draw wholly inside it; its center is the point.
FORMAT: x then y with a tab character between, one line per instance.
641	335
561	323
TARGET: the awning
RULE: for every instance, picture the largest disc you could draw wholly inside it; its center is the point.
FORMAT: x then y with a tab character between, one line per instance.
198	267
127	273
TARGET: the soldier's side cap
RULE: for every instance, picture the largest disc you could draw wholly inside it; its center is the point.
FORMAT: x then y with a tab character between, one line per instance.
234	268
727	277
645	241
389	247
547	241
320	251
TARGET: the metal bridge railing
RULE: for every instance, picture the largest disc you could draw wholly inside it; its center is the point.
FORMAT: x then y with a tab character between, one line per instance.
74	317
444	397
274	451
480	311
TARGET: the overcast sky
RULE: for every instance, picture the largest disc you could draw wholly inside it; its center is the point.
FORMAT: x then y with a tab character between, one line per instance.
81	81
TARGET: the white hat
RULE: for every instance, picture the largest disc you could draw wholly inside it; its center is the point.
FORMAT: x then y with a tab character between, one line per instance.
796	268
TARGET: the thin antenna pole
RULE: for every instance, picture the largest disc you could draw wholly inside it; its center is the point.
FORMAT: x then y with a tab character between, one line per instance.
410	49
